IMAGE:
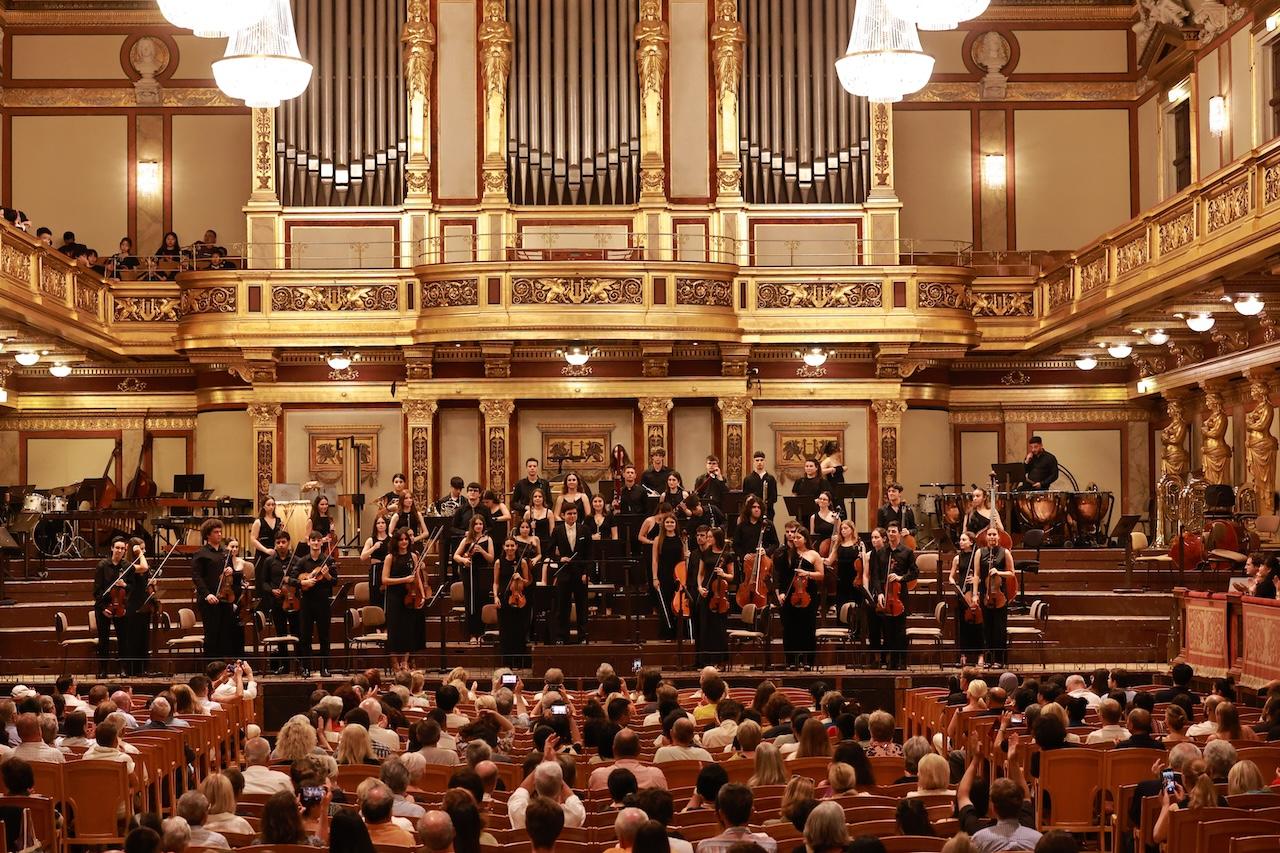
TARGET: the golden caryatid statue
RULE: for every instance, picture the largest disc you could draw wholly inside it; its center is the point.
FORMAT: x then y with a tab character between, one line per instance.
1260	444
418	41
1174	460
1215	453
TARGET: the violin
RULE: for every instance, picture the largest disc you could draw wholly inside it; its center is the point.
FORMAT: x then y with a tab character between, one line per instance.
515	590
418	591
799	596
972	611
117	598
226	586
893	604
999	589
719	602
680	601
291	603
757	570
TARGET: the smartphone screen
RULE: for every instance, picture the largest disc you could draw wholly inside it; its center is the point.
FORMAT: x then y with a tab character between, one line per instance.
635	665
559	709
509	679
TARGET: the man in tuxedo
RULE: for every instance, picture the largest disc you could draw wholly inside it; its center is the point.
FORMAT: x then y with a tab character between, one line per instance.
762	484
570	546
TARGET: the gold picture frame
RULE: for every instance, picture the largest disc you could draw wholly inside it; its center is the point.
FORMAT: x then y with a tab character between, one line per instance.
326	449
794	442
591	442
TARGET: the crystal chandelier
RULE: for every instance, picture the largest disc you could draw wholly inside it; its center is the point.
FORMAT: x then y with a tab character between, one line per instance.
262	65
937	14
884	60
209	19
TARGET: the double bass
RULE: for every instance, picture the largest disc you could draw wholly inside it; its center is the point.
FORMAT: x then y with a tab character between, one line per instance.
757	576
142	487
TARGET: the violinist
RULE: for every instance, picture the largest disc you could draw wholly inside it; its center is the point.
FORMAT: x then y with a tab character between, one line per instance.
375	551
541	518
474	558
711	487
389	504
406	626
114	573
981	515
137	612
409	518
316	574
570	547
319	521
995	565
217	590
699	513
499	516
753	519
799	575
510	584
716	572
675	494
851	582
966	582
522	493
272	576
904	565
669	550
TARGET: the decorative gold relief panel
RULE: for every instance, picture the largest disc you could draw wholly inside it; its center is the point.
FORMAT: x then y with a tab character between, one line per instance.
1003	303
451	293
942	294
819	294
567	290
704	291
209	300
1176	230
1060	289
146	309
335	297
1093	273
1132	252
1226	206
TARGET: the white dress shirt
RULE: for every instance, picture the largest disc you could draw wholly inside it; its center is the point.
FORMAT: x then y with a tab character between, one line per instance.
574	812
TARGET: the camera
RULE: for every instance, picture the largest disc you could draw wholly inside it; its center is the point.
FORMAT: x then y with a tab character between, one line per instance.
509	680
312	795
559	708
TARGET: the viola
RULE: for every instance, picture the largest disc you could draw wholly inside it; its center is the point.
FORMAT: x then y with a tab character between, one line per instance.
719	588
999	588
680	601
226	586
893	604
799	596
291	603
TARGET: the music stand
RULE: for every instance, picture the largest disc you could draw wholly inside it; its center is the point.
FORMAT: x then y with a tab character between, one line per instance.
1123	531
188	484
852	492
432	523
604	488
1009	473
800	506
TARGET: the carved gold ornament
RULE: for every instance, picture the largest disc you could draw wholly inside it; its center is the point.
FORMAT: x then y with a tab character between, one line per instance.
880	144
1215	453
1227	206
1177	231
209	300
264	148
1093	274
53	282
889	412
264	414
820	294
419	411
131	385
15	263
728	180
654	408
1228	340
564	290
1060	290
1015	377
146	309
497	411
941	294
1000	303
87	297
1271	184
1132	254
1185	355
704	291
335	297
734	408
450	293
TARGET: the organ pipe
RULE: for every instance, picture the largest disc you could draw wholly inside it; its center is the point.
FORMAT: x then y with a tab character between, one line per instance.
803	139
573	111
344	143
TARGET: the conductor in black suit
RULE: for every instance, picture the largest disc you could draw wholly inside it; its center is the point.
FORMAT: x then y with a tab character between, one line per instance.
571	547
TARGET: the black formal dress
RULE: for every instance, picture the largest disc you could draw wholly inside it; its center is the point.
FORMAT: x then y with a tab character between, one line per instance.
849	588
406	627
271	576
223	636
513	622
670	554
995	620
376	558
315	608
322	525
763	486
477	586
267	536
822	529
713	628
969	639
571	549
809	487
799	624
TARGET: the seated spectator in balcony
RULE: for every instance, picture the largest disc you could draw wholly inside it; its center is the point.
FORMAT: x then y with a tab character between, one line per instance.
70	247
44	235
1140	728
208	244
123	259
90	259
169	255
218	259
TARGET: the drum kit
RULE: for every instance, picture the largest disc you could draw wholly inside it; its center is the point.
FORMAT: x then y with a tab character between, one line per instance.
1078	519
54	534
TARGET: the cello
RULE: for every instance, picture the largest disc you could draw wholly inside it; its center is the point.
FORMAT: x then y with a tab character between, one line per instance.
757	572
680	601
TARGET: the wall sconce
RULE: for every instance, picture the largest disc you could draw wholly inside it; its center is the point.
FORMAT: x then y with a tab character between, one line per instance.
1180	92
148	176
1272	22
1218	115
993	170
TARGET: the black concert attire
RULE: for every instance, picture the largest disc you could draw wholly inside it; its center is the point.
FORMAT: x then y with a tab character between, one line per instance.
324	526
821	529
837	475
670	554
713	628
632	500
315	607
656	480
477	586
889	633
573	552
904	516
969	637
379	554
799	624
267	536
746	536
809	487
692	522
673	499
131	628
1041	471
763	486
223	636
849	587
513	622
522	494
976	523
995	620
1265	588
270	576
406	627
711	490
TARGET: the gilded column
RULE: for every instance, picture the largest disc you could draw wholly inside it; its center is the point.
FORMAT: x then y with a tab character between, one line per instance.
495	38
418	42
497	443
733	432
420	419
1259	443
889	426
882	205
1215	453
265	418
653	39
727	39
1175	466
263	209
654	413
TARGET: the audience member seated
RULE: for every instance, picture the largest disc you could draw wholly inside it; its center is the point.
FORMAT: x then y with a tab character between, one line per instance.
711	778
1219	757
175	836
882	726
259	778
545	821
912	818
1203	795
375	808
935	775
1182	675
19	780
221	814
799	789
769	768
1140	728
1078	689
546	781
1109	713
435	832
733	810
193	807
1229	726
1008	833
728	714
913	750
626	754
31	746
825	830
625	827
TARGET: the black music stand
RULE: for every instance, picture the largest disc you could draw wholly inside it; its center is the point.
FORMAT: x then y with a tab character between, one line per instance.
801	507
1123	532
852	492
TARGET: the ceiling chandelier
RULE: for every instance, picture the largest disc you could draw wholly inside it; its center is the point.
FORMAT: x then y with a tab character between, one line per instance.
212	20
937	14
262	65
884	61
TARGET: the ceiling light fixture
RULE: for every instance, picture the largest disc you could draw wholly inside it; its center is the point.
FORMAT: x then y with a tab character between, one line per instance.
1155	337
884	60
815	357
577	356
27	358
938	14
1249	305
212	20
262	65
1086	362
339	360
1120	350
60	370
1201	321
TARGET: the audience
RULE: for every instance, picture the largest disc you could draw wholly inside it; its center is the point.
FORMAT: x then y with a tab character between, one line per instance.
733	810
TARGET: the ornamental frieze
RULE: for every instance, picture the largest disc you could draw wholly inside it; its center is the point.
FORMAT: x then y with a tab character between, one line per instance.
16	263
1002	303
208	300
564	290
1093	274
1133	254
1228	206
53	282
941	294
1271	184
87	297
335	297
1176	231
145	309
1060	289
820	294
704	291
450	293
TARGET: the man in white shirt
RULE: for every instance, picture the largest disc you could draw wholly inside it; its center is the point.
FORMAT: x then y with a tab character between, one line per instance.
385	741
1210	724
1076	687
626	753
106	747
124	705
258	777
66	685
1110	713
681	748
199	685
32	746
728	712
241	686
547	780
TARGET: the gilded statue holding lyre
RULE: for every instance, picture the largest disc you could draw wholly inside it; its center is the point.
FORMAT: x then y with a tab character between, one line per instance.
1215	453
1260	444
1174	461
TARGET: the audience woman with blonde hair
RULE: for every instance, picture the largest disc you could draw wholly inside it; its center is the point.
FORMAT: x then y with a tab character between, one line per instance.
222	815
1175	725
1244	777
354	746
798	790
841	779
825	830
748	736
769	767
1229	725
933	777
297	739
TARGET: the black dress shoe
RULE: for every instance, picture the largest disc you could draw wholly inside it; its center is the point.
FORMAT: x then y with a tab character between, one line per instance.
305	672
324	672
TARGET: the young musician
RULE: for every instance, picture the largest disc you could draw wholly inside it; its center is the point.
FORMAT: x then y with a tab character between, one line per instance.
449	504
541	518
262	536
474	556
522	494
409	518
406	628
717	563
761	483
995	563
272	577
969	640
243	569
469	507
631	499
571	547
698	513
669	549
711	487
832	462
320	520
390	502
981	515
811	485
527	544
822	524
753	524
499	515
513	619
118	573
574	493
895	511
1040	466
137	613
675	493
850	576
316	574
217	589
374	552
890	561
655	476
800	569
